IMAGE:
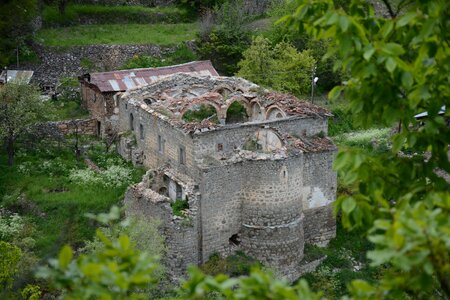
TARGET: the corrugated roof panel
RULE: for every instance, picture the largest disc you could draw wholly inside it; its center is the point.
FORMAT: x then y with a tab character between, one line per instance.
114	85
140	81
129	83
149	75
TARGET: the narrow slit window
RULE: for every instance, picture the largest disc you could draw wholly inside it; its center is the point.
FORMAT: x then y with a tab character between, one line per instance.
182	155
160	144
131	122
141	131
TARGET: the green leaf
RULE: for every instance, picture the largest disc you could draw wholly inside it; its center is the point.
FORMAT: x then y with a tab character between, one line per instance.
344	23
407	79
390	64
405	19
335	92
386	29
393	49
370	50
348	205
65	257
124	242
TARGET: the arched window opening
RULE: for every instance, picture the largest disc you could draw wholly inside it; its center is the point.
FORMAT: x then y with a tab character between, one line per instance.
200	112
163	191
274	114
225	92
149	101
236	113
264	140
131	122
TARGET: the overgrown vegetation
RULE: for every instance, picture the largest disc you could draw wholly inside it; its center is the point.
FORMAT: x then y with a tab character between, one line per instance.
234	265
160	34
345	261
223	36
100	14
182	54
179	207
48	204
200	113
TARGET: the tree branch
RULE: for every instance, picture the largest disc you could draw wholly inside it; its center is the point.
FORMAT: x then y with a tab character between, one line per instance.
389	7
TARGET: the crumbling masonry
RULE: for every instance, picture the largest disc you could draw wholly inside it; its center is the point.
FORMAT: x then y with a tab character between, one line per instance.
259	181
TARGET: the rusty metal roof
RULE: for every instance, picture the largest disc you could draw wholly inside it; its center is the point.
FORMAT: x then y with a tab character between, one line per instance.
122	80
16	76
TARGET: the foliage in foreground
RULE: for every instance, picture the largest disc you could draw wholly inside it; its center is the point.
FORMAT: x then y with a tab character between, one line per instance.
398	66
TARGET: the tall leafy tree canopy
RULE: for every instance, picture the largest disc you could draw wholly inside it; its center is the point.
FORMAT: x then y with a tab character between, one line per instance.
15	18
20	106
398	66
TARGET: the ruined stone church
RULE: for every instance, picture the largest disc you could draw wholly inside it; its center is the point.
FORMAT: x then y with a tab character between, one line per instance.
255	167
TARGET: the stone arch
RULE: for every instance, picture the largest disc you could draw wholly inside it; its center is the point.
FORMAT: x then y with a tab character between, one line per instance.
264	139
257	111
238	110
274	112
225	91
198	111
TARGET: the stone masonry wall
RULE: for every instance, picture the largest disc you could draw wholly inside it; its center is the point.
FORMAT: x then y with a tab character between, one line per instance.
319	193
153	129
261	202
82	126
235	136
181	236
59	62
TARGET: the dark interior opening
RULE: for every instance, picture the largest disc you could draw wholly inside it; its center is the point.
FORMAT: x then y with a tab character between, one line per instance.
235	239
236	113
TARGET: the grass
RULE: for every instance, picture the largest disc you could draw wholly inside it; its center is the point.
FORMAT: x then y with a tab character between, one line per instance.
182	54
38	188
99	14
160	34
66	110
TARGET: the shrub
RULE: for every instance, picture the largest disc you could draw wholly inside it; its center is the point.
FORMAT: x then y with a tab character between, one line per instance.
113	176
11	225
234	265
9	258
179	206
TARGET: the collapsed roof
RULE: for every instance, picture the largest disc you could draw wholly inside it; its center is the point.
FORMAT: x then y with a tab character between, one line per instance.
173	96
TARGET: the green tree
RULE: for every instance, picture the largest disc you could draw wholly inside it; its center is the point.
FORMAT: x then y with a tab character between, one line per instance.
282	67
398	66
224	41
20	106
15	18
9	258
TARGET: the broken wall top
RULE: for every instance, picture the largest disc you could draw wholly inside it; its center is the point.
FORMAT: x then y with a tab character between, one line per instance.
173	96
